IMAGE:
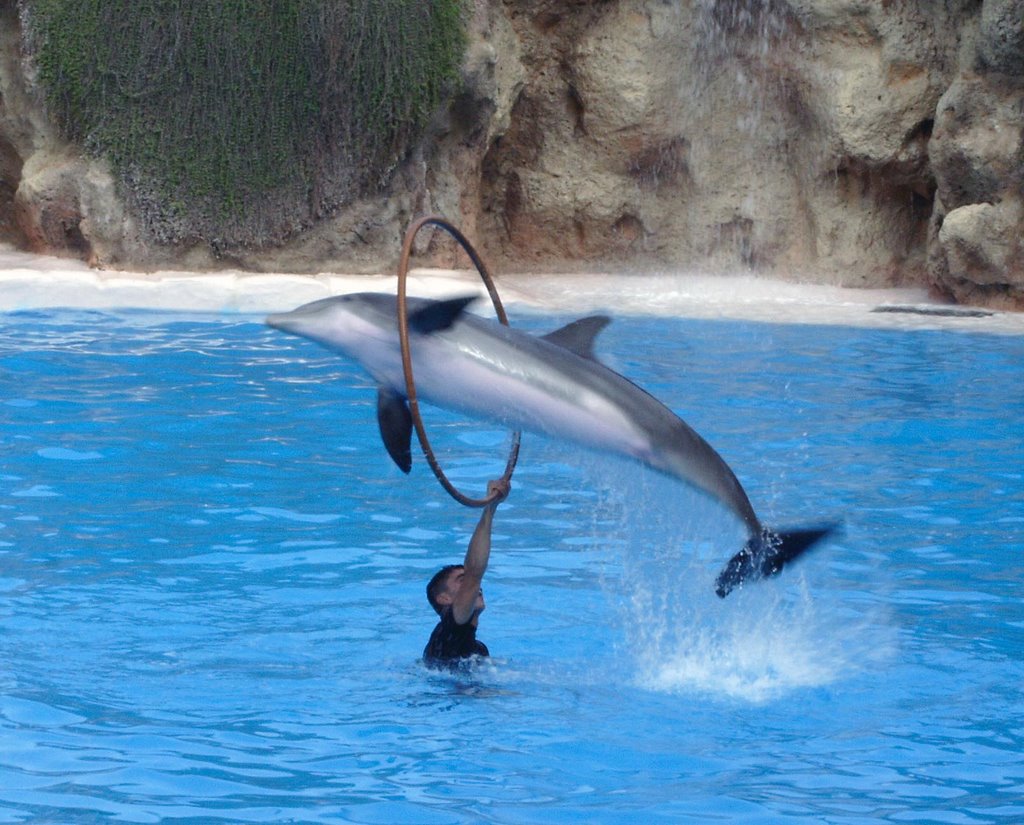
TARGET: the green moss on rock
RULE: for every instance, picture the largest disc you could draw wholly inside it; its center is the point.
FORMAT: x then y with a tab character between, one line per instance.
239	121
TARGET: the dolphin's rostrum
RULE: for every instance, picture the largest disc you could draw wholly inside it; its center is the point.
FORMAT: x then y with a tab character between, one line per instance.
552	384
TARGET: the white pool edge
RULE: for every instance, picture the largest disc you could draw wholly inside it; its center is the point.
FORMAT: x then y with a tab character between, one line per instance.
30	282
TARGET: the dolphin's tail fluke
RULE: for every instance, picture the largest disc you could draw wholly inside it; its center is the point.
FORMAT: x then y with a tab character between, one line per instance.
766	554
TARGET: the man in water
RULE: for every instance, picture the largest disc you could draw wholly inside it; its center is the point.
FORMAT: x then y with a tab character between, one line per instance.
455	593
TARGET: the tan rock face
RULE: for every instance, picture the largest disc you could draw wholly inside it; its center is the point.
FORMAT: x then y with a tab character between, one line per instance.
977	156
981	244
831	140
784	137
47	207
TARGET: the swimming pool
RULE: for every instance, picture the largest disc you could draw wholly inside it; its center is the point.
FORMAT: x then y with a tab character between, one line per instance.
212	609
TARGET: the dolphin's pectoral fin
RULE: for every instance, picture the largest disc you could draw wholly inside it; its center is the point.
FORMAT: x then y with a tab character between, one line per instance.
395	422
766	554
579	336
439	315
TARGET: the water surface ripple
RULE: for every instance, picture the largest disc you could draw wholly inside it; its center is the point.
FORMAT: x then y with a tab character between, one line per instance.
212	610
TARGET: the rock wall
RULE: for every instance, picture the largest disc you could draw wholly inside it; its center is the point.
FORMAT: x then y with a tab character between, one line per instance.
977	156
847	141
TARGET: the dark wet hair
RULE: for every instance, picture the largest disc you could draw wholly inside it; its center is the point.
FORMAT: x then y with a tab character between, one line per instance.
436	585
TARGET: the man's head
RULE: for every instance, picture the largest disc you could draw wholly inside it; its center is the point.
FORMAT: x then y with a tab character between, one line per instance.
438	588
441	589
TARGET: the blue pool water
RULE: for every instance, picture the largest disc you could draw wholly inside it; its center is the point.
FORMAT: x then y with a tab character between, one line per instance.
212	609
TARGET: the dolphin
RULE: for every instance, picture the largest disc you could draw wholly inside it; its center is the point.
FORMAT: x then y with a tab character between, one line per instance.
551	384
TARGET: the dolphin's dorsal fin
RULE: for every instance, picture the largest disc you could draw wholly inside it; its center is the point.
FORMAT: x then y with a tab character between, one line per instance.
395	422
579	336
439	315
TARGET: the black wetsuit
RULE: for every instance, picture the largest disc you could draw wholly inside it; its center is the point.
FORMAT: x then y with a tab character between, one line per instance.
451	642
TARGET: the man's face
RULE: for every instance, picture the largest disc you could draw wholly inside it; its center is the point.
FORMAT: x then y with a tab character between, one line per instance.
452	588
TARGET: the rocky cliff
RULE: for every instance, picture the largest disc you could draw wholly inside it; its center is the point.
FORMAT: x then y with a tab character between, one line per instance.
847	141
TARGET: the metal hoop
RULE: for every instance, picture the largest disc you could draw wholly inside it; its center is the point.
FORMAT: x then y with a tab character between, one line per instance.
403	337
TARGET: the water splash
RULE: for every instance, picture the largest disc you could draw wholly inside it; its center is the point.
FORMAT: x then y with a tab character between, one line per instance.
766	640
761	650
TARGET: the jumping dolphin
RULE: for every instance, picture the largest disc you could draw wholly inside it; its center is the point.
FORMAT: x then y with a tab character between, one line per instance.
552	384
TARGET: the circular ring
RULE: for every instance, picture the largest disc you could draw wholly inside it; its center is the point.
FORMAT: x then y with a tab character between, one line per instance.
403	337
